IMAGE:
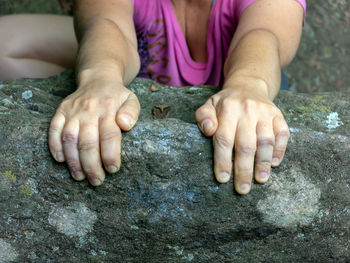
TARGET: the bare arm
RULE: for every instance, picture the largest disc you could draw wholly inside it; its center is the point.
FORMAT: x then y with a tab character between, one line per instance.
86	129
107	39
266	40
242	117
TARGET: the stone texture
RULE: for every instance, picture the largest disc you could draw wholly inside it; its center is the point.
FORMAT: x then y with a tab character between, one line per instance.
323	59
164	205
29	6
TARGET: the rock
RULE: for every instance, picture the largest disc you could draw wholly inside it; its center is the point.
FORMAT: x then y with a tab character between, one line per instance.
25	6
165	205
323	59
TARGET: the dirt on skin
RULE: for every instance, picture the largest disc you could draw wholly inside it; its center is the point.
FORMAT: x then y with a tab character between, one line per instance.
323	59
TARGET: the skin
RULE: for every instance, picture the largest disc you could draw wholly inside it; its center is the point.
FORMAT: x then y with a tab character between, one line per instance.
36	46
86	129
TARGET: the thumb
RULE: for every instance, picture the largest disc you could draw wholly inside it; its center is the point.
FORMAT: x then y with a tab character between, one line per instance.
128	113
206	119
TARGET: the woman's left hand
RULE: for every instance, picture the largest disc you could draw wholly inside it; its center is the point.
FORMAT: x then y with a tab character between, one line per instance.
242	117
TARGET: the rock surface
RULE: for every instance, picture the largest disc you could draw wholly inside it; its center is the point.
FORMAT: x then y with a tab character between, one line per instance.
164	205
323	59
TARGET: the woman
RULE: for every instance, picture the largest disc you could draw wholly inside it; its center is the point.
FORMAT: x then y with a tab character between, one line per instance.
239	44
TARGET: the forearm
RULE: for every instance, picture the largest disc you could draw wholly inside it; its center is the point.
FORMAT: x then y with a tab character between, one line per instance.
105	52
256	56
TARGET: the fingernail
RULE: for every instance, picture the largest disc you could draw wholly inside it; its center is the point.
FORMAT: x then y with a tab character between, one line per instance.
275	161
59	157
263	176
223	177
95	182
206	126
244	188
126	119
78	176
112	169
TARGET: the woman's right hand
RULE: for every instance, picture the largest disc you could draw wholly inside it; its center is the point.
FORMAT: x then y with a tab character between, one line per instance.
86	129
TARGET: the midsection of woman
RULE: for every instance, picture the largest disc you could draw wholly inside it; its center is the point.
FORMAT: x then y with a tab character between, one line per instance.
193	17
185	42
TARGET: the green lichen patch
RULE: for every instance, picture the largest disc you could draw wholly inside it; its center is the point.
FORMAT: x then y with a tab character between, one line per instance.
10	176
317	108
26	190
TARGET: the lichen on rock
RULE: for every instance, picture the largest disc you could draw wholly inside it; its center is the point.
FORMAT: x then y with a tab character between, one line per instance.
7	252
291	201
74	220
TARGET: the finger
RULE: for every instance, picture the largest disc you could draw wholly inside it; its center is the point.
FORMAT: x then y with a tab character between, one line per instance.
265	145
70	149
282	134
89	152
55	131
245	149
110	141
206	118
128	113
223	141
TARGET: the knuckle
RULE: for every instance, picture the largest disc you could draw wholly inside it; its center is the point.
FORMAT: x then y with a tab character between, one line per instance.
280	150
263	164
109	136
74	165
134	103
67	105
278	111
109	104
89	105
53	145
132	96
246	149
227	103
86	104
90	172
200	111
124	96
266	140
243	172
249	105
203	111
64	104
213	100
94	171
222	140
87	146
53	128
69	137
283	133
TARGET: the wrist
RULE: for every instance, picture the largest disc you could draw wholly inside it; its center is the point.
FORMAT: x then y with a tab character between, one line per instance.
249	84
88	75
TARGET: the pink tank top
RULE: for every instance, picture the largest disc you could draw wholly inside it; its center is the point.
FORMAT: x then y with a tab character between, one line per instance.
163	50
